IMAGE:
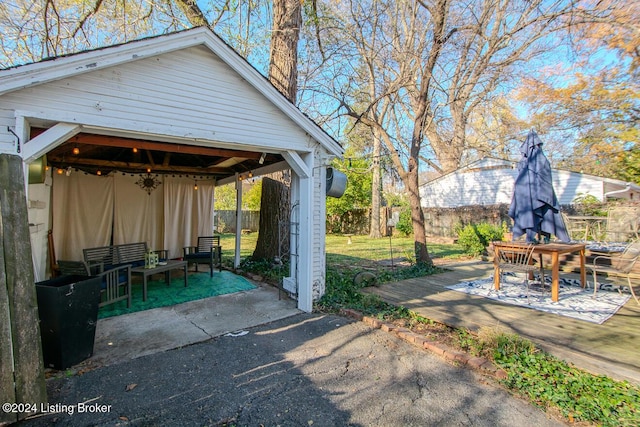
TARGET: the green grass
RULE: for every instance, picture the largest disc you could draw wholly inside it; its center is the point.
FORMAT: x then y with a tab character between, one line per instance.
362	252
544	380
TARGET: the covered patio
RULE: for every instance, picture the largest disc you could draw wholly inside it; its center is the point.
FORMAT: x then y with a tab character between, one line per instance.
128	143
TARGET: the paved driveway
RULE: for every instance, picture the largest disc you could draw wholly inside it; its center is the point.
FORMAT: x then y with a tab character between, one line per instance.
304	370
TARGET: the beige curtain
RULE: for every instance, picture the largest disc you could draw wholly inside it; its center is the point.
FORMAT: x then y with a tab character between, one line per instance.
137	214
82	213
188	213
88	210
204	212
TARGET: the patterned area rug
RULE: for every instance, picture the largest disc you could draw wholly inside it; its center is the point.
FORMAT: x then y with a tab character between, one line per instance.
574	301
200	285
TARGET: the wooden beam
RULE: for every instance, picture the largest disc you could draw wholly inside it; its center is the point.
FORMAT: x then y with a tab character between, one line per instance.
297	164
127	166
150	158
111	141
167	159
45	141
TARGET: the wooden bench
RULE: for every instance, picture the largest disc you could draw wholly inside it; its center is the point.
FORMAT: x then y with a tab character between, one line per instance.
207	251
115	255
114	264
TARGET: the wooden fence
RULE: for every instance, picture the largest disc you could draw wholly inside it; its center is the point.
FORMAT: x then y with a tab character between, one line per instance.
440	222
226	221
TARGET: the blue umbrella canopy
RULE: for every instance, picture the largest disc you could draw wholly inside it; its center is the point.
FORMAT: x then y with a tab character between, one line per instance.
534	206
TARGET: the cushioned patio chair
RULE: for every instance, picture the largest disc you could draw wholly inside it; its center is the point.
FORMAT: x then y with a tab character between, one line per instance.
207	251
115	283
516	259
616	264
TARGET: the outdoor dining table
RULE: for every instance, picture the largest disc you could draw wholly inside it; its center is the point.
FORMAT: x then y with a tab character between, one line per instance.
165	268
553	249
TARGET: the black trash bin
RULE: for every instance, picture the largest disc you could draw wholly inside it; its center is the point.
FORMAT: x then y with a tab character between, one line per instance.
68	309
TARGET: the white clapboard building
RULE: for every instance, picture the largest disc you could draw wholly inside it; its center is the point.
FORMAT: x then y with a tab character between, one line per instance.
490	181
197	115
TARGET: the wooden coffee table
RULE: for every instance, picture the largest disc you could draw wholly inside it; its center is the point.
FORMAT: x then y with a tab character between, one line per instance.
165	268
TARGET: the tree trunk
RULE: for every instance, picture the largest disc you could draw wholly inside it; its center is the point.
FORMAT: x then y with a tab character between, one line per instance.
22	372
283	55
417	219
283	74
376	185
273	237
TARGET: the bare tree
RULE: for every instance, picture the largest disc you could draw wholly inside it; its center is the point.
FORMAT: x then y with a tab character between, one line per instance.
419	69
32	30
283	74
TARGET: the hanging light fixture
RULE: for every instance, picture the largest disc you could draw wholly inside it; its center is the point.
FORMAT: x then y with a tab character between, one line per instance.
148	183
60	171
195	186
76	150
99	172
135	150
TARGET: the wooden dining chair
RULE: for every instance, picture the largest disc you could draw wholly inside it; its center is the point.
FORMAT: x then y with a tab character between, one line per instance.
516	259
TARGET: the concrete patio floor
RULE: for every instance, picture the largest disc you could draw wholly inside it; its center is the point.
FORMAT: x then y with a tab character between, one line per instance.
610	348
133	335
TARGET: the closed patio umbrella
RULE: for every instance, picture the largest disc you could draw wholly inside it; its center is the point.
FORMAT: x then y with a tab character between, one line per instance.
534	207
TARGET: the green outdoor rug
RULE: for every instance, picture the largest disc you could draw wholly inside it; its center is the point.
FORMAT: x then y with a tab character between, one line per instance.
200	285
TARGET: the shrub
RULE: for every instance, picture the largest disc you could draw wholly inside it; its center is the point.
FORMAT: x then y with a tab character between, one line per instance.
405	225
474	238
589	205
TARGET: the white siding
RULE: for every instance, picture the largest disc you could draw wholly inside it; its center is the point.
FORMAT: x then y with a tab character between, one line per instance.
485	187
188	93
495	186
7	140
569	185
319	226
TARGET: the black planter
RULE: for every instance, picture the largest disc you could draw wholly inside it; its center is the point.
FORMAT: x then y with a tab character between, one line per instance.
68	308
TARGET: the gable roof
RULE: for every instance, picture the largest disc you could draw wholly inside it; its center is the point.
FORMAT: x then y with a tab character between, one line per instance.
488	163
52	69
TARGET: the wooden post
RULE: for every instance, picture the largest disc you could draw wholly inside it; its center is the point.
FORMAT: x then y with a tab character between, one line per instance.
21	364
